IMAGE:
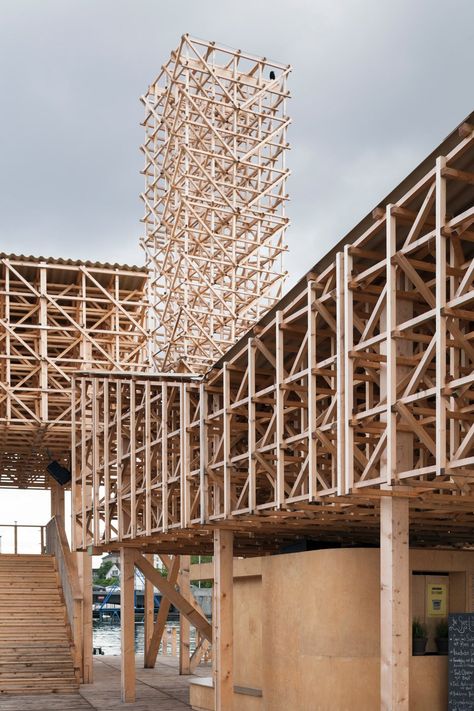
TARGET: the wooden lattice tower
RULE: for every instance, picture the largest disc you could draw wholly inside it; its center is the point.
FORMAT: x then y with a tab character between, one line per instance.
215	122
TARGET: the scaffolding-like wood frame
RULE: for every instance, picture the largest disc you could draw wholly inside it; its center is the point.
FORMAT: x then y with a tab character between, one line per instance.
215	122
358	385
58	317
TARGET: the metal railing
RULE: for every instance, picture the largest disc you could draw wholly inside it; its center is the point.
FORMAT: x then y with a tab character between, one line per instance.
10	535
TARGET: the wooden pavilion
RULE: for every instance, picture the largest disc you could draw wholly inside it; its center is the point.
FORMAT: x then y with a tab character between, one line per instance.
210	415
343	416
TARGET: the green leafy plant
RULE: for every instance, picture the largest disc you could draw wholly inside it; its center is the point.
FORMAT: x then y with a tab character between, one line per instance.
442	630
419	629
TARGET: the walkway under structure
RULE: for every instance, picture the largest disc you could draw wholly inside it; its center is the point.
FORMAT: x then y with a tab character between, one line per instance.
343	416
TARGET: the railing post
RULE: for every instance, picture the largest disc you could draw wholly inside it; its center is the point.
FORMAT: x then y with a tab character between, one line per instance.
15	538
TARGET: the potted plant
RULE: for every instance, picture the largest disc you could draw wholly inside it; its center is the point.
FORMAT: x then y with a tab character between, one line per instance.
442	632
420	637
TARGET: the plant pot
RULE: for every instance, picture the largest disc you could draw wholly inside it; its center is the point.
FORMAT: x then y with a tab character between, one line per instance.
419	646
442	645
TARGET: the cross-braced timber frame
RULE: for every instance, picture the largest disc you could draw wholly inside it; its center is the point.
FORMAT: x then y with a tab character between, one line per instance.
215	122
358	385
57	317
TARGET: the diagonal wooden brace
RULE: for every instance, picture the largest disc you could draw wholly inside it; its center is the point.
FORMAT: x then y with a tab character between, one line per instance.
186	607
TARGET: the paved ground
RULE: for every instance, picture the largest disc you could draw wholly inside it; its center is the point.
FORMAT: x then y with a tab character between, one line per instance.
159	689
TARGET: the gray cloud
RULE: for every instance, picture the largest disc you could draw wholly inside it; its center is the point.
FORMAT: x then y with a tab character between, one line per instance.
376	85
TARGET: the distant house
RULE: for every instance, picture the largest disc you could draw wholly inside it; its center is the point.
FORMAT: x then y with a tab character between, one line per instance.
113	572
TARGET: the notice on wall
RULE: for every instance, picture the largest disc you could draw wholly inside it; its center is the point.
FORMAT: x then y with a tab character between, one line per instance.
461	662
436	604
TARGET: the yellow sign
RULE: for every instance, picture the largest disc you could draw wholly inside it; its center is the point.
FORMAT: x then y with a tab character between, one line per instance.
437	600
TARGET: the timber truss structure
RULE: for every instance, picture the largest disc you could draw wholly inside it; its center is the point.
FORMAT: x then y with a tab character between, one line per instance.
356	386
57	317
215	123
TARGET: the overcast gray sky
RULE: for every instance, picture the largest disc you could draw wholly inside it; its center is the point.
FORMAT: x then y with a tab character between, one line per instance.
376	85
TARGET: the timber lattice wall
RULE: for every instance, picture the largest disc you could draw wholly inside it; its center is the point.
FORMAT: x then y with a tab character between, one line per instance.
357	385
57	317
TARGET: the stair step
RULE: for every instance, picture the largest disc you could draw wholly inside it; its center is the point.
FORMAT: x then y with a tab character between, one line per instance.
37	557
36	652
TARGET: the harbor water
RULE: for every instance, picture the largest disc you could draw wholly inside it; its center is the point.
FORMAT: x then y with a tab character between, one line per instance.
107	636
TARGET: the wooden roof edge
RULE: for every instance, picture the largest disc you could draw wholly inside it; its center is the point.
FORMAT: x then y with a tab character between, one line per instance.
61	261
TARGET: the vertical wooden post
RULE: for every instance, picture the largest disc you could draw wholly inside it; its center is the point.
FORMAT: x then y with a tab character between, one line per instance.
341	483
395	625
84	567
312	381
184	626
222	621
57	500
127	623
252	435
149	609
226	441
279	414
394	604
441	358
15	538
348	373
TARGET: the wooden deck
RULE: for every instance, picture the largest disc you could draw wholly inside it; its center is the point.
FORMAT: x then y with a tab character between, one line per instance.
159	689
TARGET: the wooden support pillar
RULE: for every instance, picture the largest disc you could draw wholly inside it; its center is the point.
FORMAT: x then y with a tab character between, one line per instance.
57	500
149	608
222	621
394	604
84	569
127	623
184	626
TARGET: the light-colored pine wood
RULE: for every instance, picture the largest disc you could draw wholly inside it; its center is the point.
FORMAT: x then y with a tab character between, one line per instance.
187	607
149	609
214	199
394	604
222	621
36	649
184	626
127	624
151	651
80	316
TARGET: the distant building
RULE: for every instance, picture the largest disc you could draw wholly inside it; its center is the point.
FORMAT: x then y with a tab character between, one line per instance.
113	572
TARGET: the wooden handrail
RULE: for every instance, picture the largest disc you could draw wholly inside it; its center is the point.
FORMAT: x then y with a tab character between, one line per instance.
57	545
72	573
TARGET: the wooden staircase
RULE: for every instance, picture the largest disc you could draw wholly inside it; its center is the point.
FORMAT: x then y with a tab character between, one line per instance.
35	638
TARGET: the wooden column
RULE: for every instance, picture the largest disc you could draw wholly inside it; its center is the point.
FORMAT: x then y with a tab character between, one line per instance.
394	603
84	568
222	621
57	500
149	611
395	637
184	626
127	623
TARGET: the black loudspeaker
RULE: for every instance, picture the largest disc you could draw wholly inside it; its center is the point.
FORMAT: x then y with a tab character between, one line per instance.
59	473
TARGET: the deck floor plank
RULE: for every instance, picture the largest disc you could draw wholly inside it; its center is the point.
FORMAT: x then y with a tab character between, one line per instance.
160	688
